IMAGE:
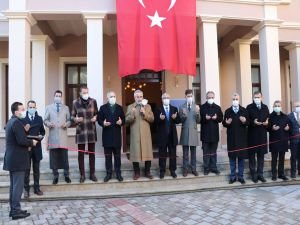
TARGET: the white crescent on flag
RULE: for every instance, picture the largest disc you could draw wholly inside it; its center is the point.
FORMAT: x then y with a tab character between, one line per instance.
173	2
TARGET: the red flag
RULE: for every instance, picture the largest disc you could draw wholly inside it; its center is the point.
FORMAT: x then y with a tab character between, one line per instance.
156	35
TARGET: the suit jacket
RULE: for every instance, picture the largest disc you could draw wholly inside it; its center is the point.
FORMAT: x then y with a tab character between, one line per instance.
86	130
210	128
57	135
189	133
111	135
237	137
166	129
295	128
16	156
36	128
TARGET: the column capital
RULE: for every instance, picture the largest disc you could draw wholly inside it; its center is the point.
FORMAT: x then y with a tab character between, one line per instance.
44	38
89	15
209	19
267	23
238	42
292	46
20	15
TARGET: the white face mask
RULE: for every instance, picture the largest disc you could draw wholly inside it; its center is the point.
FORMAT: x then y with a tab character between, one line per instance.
210	101
235	103
257	101
57	100
189	100
22	115
277	109
112	100
166	101
297	109
85	96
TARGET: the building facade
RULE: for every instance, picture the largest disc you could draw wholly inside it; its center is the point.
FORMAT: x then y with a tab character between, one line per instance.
242	46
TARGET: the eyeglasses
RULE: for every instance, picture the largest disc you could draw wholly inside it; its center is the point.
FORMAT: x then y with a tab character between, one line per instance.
235	99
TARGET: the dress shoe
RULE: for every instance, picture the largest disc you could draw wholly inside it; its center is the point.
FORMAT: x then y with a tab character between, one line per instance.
216	171
185	173
149	175
255	180
293	176
195	173
26	194
262	179
161	175
206	172
107	178
119	177
242	181
232	180
38	192
283	178
93	178
173	174
68	180
20	215
274	178
55	181
82	179
136	176
21	211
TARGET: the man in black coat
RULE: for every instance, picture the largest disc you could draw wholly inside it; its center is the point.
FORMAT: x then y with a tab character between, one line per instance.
211	116
166	117
257	136
16	158
34	127
111	117
236	120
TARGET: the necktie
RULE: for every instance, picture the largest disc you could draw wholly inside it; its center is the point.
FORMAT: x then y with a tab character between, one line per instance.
189	107
259	107
167	112
235	109
32	118
57	107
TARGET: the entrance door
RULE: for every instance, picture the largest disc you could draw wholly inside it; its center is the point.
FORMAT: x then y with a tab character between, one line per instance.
151	83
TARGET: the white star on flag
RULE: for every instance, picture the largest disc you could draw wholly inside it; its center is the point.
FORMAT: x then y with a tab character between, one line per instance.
156	20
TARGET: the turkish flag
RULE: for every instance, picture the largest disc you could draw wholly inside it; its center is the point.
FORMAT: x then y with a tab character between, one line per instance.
156	35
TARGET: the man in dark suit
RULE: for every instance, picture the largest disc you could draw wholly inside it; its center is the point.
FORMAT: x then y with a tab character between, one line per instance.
257	136
34	127
16	158
111	117
294	118
166	117
211	115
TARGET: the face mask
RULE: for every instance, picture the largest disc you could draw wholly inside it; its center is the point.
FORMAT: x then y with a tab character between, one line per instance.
210	101
22	115
31	111
166	102
112	100
257	101
85	96
235	103
298	109
277	109
57	100
189	100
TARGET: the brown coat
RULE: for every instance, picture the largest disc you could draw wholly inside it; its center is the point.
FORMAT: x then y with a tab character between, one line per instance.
140	134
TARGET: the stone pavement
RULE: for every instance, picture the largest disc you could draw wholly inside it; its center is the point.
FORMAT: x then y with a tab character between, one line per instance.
265	205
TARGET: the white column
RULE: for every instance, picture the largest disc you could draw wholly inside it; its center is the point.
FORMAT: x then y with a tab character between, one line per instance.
209	60
2	97
19	56
243	70
94	23
294	52
269	61
39	72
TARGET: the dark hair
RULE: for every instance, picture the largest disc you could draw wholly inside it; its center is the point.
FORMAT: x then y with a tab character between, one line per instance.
58	91
31	101
188	91
83	87
257	93
15	107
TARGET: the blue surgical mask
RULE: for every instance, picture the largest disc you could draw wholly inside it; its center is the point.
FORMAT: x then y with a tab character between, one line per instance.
277	109
32	111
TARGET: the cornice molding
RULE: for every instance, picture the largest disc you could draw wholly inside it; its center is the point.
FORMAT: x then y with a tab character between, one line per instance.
20	15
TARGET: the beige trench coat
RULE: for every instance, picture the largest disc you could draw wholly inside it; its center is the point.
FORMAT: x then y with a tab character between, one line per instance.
140	134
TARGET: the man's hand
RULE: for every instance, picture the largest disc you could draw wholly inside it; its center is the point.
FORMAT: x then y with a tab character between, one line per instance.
106	124
132	112
266	123
257	123
207	117
197	108
64	126
228	121
162	116
287	127
27	127
34	142
174	116
79	119
143	110
242	119
94	119
215	117
274	127
119	122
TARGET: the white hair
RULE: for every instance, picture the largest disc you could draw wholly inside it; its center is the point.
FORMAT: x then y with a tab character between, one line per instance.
165	95
138	91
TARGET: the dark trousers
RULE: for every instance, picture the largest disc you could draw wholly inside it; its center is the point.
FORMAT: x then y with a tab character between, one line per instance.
278	157
295	158
108	160
36	174
232	161
256	170
16	190
91	148
136	167
209	156
66	172
185	161
168	151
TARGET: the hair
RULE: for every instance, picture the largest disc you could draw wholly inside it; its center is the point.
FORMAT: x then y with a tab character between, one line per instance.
165	95
58	91
108	93
210	92
277	101
83	88
138	91
257	93
188	91
15	107
235	95
31	101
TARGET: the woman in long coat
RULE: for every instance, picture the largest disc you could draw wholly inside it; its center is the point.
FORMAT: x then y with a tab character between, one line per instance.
279	129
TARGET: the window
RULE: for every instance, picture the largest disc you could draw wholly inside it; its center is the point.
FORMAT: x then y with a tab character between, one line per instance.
255	75
76	77
196	86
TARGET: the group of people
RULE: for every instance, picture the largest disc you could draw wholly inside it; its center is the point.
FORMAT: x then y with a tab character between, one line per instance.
247	130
